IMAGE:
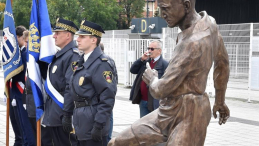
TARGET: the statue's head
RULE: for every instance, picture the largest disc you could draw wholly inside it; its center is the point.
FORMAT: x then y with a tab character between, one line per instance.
175	11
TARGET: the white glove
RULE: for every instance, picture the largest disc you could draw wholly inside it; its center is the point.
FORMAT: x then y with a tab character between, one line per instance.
14	102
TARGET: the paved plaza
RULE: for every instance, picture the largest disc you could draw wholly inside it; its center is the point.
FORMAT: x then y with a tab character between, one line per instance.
242	129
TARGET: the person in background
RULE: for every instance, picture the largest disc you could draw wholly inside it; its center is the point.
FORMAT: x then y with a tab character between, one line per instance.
140	91
29	101
21	121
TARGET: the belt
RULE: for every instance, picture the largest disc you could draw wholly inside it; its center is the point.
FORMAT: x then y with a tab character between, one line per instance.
79	104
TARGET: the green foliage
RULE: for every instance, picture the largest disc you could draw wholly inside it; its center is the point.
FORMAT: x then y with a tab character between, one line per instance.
67	9
22	12
131	9
2	8
110	14
103	12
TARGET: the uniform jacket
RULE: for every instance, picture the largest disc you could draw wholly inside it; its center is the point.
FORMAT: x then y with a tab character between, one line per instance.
60	71
138	68
30	104
21	76
93	81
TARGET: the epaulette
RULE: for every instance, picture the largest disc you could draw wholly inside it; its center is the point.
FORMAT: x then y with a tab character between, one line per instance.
104	59
76	51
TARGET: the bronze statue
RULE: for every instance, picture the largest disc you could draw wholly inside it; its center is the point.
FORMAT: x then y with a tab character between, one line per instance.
184	111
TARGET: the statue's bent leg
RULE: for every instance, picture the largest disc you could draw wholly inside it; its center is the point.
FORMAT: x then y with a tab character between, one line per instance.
143	132
191	131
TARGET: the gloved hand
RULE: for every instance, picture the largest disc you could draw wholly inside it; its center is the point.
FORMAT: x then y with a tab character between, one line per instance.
67	123
96	133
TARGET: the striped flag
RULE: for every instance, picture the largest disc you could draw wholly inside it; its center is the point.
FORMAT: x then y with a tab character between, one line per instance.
11	56
41	47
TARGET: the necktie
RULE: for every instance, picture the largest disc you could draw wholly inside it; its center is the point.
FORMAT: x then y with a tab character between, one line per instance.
81	60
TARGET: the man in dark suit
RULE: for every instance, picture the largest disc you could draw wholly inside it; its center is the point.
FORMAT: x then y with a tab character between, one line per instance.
139	93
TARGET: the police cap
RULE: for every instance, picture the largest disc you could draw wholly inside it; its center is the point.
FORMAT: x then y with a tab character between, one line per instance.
65	25
90	28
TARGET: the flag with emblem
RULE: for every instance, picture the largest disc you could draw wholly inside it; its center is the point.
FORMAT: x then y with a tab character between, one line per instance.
11	56
41	48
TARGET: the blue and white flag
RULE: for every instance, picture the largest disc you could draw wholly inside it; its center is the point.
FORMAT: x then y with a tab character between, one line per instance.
41	48
11	56
48	48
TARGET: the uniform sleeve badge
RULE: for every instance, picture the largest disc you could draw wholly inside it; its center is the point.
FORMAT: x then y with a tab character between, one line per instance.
108	76
74	66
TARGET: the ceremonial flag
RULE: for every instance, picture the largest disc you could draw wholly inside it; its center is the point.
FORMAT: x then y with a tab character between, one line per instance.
11	56
47	50
41	48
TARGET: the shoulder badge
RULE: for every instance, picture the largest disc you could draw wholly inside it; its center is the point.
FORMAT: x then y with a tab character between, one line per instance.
108	76
54	69
76	51
81	81
74	65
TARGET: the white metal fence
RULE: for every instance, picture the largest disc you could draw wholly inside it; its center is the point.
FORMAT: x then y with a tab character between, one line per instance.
237	39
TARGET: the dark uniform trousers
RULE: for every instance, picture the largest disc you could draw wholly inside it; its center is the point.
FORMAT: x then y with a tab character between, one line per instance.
45	132
60	72
23	122
15	125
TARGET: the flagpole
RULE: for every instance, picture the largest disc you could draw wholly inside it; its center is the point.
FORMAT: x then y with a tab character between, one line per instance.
39	132
7	109
7	115
38	126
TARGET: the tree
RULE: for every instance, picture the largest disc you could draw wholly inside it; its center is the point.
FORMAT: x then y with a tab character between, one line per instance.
131	9
22	12
103	12
66	9
2	8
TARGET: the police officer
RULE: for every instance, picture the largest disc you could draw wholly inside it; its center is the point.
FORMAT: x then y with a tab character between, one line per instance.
93	88
57	114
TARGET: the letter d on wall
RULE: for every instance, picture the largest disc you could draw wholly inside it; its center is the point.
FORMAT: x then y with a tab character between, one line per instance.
143	25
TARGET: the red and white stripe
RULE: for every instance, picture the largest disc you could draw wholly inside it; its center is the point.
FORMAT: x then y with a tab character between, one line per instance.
20	86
